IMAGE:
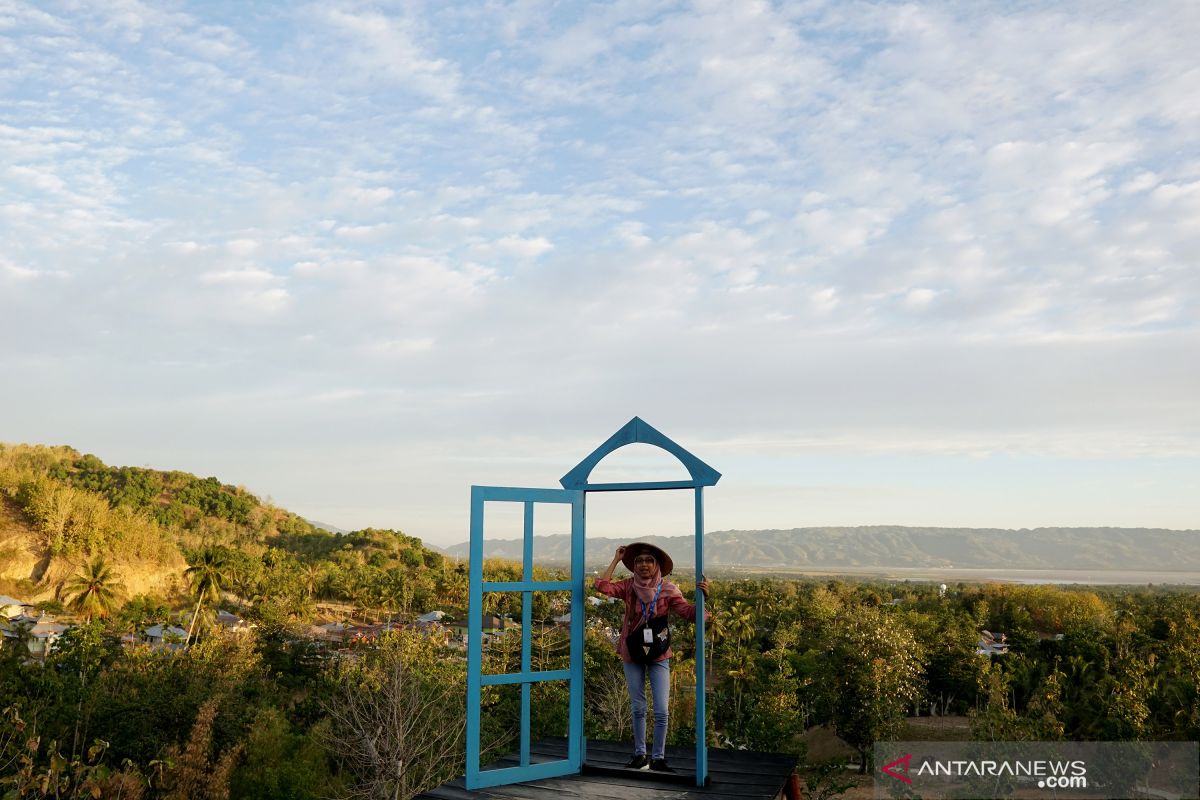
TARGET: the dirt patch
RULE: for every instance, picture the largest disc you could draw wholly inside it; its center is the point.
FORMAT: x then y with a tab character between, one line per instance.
824	744
952	728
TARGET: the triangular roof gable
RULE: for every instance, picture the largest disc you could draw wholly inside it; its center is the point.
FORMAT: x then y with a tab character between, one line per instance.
638	430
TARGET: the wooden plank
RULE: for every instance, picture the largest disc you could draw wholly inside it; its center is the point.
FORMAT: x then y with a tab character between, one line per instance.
734	788
686	777
552	788
585	788
734	775
577	790
741	768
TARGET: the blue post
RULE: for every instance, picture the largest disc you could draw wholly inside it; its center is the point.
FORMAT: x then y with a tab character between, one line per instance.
526	630
701	733
474	635
578	606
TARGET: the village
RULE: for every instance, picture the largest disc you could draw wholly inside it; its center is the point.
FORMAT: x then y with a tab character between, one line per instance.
39	630
31	625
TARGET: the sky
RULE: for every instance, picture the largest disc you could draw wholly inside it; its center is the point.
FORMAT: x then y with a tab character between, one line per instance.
877	263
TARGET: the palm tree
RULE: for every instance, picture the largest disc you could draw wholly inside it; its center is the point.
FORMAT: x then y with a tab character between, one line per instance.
313	576
739	623
208	577
95	591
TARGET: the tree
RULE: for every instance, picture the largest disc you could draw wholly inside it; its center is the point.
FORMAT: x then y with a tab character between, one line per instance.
282	765
192	774
95	592
398	722
208	577
143	610
739	623
872	669
314	578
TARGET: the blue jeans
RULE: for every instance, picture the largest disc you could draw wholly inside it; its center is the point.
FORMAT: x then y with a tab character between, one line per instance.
659	674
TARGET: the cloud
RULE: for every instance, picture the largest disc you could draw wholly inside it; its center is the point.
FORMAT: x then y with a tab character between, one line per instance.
940	230
18	274
239	277
386	47
522	247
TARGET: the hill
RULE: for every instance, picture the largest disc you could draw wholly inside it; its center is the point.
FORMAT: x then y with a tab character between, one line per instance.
59	508
894	546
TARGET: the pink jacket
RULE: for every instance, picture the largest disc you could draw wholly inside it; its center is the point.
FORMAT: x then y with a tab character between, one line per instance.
669	599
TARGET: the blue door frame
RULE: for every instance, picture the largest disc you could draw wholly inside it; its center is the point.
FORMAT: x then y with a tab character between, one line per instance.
576	484
477	778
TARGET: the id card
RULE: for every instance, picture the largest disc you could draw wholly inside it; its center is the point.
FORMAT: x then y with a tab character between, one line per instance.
648	635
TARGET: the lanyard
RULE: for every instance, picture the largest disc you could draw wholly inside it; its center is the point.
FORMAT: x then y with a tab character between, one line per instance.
648	611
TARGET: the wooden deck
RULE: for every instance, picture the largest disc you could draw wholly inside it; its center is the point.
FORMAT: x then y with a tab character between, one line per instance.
733	775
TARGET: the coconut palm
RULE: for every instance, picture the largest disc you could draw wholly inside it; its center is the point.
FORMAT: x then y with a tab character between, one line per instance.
313	577
208	576
94	592
739	623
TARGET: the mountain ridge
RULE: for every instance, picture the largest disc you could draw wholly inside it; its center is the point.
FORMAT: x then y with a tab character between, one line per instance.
899	546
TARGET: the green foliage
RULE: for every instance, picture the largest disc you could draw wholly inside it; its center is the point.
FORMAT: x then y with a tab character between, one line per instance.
783	655
50	774
73	508
96	591
141	612
826	780
279	565
874	671
284	765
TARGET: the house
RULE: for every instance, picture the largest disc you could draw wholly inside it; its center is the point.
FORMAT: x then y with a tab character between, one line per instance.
8	632
991	644
10	606
40	633
369	633
432	616
232	622
44	635
330	631
492	626
171	637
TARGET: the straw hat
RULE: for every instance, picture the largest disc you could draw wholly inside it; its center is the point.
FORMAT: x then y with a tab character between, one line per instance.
632	551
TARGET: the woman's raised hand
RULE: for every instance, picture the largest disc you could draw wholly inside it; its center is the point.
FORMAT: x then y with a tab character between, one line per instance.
608	573
703	585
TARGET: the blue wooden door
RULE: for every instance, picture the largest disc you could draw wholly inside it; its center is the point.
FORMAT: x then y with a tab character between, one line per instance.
481	497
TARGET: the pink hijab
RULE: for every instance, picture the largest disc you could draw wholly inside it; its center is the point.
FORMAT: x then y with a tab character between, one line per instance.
644	588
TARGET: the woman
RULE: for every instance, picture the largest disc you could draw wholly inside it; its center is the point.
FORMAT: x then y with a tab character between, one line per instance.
647	595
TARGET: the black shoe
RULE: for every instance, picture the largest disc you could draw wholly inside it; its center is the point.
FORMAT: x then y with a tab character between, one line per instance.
638	762
660	765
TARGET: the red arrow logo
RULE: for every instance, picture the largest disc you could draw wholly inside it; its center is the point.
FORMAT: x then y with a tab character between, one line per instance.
904	777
